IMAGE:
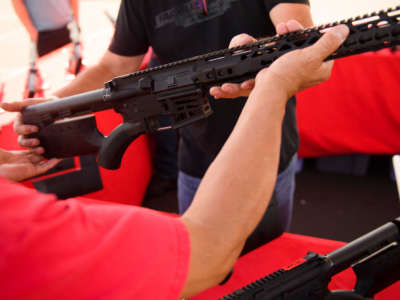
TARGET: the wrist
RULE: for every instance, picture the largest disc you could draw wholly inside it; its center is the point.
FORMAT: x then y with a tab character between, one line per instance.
274	85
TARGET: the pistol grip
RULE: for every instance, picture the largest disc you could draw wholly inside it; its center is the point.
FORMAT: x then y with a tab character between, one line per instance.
115	145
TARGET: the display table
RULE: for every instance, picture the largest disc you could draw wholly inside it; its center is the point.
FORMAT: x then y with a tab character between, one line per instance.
356	111
282	252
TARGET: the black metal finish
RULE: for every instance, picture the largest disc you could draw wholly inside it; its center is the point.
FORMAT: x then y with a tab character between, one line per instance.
376	257
74	183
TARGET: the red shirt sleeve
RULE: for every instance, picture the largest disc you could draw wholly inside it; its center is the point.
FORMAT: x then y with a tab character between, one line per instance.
73	250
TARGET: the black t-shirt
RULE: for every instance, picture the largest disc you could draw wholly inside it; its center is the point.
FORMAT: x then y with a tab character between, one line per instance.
178	30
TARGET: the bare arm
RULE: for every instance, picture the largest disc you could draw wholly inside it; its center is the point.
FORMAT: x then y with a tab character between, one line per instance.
237	186
23	164
110	66
23	15
231	200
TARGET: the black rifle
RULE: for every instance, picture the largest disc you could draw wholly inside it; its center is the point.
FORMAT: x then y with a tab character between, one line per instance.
375	258
179	89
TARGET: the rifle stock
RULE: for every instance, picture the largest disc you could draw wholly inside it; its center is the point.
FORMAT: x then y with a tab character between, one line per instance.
179	89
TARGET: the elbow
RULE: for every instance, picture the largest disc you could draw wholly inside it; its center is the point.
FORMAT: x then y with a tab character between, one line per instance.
225	257
212	257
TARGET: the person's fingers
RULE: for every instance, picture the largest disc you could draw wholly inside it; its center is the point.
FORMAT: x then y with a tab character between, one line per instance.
37	150
11	106
34	158
28	143
19	156
248	84
289	26
22	171
44	166
241	39
230	88
227	90
328	43
216	92
294	25
17	106
29	155
281	29
24	129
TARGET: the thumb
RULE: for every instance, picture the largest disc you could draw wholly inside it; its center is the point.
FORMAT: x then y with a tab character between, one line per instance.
17	106
29	170
241	39
329	42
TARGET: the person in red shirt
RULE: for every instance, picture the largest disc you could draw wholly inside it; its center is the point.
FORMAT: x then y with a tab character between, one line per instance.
75	249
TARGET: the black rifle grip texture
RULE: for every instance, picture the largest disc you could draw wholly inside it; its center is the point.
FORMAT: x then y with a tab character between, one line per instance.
115	145
70	137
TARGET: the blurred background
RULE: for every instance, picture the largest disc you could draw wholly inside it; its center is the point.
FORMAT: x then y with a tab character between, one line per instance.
96	31
332	10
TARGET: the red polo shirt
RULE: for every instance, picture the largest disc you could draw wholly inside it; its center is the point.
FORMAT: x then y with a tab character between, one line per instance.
75	250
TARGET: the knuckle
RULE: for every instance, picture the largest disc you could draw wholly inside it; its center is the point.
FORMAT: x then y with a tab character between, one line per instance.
21	141
240	39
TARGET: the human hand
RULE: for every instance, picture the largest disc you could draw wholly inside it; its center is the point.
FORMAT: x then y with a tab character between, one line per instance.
23	130
301	69
23	164
233	90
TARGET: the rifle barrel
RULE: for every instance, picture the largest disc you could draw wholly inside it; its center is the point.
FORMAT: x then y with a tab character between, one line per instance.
72	106
364	246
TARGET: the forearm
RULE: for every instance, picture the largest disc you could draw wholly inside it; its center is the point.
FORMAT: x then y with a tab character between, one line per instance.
236	189
111	65
90	79
23	15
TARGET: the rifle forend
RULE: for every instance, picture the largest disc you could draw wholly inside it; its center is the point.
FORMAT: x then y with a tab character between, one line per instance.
179	89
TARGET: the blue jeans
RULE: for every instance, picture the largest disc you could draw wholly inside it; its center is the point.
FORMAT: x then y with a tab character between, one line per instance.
166	151
284	191
165	142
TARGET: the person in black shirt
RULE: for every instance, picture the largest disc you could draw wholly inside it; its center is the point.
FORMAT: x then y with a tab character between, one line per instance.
181	29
